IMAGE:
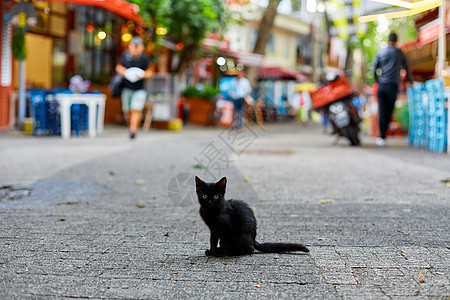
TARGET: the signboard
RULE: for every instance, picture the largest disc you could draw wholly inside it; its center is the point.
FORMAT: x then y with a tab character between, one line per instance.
161	112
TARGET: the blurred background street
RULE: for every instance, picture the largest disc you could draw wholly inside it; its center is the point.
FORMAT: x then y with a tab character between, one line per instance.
330	118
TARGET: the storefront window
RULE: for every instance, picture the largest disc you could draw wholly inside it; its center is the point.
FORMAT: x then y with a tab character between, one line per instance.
47	41
59	63
97	27
85	63
253	37
269	91
58	25
287	47
92	33
304	47
271	44
42	21
51	19
59	8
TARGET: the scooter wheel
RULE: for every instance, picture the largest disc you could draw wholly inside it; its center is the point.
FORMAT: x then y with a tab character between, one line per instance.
352	135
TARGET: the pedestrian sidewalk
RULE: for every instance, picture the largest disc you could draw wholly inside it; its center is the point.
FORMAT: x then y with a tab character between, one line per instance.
93	218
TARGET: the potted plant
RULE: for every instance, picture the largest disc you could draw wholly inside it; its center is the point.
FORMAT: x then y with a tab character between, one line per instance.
201	104
190	92
210	92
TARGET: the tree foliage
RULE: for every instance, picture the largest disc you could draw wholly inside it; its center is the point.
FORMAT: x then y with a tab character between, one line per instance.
186	21
264	31
296	5
370	42
18	45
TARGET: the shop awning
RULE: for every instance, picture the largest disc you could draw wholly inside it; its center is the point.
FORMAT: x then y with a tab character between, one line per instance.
122	8
279	73
372	9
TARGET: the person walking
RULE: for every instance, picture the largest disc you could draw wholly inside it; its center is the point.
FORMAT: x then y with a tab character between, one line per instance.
388	63
240	89
133	66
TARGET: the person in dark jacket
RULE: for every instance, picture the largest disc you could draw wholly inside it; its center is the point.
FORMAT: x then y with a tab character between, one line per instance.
133	66
388	63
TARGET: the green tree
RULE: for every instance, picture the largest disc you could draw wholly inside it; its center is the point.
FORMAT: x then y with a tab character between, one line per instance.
296	5
186	21
264	31
371	40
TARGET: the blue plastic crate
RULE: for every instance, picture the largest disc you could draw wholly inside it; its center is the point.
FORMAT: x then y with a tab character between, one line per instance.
419	114
44	112
38	111
78	115
436	116
53	118
79	119
56	122
46	115
412	119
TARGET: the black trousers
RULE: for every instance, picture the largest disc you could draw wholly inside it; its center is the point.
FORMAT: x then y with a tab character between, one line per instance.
239	105
387	94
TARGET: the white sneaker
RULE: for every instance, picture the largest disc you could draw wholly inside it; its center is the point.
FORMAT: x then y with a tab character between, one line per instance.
380	142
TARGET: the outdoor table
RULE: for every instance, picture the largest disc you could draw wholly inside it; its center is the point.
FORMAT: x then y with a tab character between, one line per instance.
92	101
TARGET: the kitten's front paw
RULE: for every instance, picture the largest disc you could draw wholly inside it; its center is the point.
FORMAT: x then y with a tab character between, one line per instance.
210	252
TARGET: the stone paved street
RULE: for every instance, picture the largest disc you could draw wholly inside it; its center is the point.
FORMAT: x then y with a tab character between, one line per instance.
113	218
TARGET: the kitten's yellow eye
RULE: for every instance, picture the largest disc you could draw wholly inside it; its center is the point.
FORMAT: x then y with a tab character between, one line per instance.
204	196
216	197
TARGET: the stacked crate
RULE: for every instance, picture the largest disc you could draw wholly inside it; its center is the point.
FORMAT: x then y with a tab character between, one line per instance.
38	111
79	119
428	115
46	115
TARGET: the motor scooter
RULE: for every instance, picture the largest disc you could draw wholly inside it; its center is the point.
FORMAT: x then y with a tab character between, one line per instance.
345	119
336	100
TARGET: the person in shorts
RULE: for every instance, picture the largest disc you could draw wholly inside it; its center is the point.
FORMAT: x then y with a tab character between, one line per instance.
133	94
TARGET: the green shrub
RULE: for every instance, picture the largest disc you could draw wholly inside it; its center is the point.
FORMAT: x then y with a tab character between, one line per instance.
210	91
190	91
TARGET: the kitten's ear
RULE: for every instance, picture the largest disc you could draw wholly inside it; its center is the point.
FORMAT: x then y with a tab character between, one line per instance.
222	183
199	183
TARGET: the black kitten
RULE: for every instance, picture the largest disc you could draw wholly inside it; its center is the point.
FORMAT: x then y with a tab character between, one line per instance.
233	223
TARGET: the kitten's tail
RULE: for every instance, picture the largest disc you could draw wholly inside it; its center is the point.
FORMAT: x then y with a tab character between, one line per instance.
279	247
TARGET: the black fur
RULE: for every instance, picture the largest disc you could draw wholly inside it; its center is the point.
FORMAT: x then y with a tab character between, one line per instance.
232	223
